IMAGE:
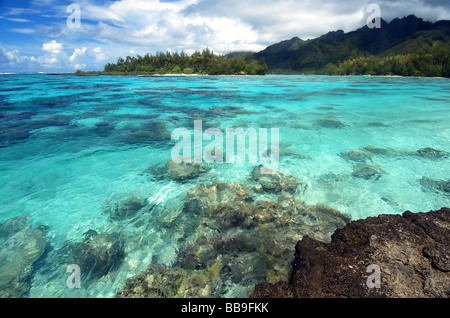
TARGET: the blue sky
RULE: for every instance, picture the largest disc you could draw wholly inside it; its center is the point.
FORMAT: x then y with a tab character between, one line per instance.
36	36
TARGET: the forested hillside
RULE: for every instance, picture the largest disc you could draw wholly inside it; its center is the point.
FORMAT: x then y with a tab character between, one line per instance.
408	46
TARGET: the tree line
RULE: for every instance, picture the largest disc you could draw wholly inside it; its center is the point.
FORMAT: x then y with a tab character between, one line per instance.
205	62
430	62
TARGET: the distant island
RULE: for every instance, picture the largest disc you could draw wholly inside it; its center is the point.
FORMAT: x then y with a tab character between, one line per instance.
406	47
201	63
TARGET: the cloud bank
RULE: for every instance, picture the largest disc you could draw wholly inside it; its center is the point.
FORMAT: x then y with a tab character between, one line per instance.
112	28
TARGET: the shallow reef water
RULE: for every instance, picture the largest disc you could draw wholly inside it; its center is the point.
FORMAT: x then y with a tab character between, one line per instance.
87	177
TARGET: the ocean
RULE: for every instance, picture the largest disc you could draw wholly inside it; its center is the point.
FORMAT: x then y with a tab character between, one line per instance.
83	169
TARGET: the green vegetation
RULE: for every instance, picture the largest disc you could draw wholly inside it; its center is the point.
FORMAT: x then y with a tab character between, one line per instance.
205	62
434	62
407	46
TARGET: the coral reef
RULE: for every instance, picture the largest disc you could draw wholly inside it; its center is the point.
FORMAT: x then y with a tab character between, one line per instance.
411	251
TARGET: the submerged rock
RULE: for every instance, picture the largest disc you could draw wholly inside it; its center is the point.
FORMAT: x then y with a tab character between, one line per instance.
287	152
265	229
360	155
332	180
98	254
330	123
150	132
323	221
253	240
432	153
14	225
440	185
160	281
366	171
198	255
274	181
221	205
178	171
103	128
377	124
389	152
22	246
125	206
411	251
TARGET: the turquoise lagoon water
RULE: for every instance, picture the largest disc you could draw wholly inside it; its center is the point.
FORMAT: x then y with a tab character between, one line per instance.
69	145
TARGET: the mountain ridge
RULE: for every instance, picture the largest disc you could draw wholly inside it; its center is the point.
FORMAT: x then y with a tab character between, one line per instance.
322	55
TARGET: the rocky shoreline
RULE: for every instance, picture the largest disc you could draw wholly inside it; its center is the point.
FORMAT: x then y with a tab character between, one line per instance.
242	240
411	252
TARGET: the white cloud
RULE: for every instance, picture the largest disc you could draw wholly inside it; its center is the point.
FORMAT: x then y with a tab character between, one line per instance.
84	57
237	24
13	61
78	52
52	47
9	57
220	25
23	31
54	56
158	25
79	66
99	55
15	19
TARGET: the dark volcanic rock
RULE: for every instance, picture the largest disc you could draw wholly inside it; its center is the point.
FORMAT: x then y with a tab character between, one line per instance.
411	250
